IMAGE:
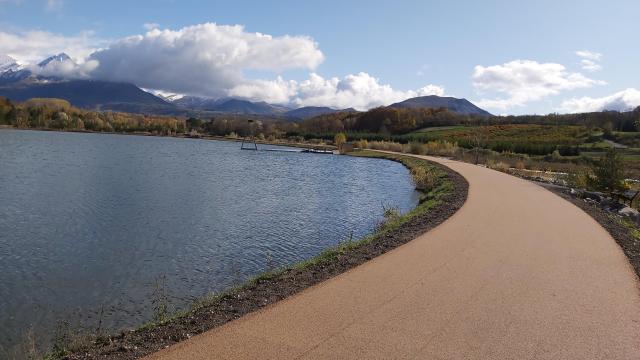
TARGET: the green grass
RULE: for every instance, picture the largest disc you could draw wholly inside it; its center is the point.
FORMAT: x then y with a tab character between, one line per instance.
561	134
440	128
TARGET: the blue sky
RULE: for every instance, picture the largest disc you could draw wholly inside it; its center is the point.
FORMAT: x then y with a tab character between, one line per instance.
527	51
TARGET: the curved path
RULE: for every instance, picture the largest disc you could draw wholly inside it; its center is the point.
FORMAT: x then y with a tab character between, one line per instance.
516	273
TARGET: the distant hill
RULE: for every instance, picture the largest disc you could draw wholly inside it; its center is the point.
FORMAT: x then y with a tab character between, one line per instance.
312	111
460	106
237	106
231	106
198	103
88	94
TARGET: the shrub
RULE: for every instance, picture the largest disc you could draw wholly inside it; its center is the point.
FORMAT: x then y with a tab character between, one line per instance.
443	148
609	172
423	179
386	146
417	148
361	144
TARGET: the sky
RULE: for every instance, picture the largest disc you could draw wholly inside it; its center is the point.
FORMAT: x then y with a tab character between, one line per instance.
508	57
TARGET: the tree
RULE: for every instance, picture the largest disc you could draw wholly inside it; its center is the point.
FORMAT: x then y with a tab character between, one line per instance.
339	139
609	172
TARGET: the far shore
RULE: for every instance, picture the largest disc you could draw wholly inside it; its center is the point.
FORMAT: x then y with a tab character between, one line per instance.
186	136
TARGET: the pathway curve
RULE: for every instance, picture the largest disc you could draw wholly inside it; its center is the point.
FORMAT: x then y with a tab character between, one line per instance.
516	273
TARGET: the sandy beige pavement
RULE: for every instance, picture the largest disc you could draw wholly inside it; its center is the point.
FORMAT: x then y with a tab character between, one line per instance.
516	273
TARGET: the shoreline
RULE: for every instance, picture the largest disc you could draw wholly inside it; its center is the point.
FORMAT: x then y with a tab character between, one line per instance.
180	136
435	207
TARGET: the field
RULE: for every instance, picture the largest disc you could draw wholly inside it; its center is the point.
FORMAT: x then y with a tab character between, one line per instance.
567	148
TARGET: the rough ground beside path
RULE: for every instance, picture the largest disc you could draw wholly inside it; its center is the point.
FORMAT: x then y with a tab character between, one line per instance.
516	273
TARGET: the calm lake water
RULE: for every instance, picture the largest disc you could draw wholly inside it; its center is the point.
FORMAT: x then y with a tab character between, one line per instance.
93	221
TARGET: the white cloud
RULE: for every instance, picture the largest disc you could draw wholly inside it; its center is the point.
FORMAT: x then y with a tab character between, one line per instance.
205	59
150	26
278	91
34	46
360	91
590	65
590	60
67	69
623	100
524	81
590	55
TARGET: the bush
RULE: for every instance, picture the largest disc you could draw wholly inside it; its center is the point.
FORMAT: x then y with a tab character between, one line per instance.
386	146
361	144
609	172
442	148
423	179
417	148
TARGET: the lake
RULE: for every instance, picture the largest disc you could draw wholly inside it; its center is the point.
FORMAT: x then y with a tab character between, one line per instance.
90	224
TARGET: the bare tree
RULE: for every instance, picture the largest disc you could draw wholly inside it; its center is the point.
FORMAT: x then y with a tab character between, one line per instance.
479	138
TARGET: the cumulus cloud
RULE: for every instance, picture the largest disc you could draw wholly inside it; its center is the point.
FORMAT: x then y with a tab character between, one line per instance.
524	81
33	46
590	60
360	91
150	26
206	59
623	100
278	91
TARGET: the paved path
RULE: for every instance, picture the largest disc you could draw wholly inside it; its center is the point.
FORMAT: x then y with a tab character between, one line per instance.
516	273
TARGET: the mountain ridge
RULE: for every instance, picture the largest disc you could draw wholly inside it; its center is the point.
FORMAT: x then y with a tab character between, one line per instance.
458	105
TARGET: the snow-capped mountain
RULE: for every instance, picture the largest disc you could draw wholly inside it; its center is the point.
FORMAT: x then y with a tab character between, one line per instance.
12	72
62	57
7	63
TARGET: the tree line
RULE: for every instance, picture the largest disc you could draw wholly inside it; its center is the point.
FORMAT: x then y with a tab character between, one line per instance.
59	114
378	124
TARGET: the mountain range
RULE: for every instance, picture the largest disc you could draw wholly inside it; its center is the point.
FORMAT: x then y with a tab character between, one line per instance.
20	83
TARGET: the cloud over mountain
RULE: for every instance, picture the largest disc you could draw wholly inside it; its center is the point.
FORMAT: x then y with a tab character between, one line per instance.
33	46
360	91
206	59
621	101
523	81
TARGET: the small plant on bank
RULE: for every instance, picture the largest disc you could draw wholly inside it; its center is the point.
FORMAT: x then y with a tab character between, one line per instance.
609	172
61	341
391	214
160	300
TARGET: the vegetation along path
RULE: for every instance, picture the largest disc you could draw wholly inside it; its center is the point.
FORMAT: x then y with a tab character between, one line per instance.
516	273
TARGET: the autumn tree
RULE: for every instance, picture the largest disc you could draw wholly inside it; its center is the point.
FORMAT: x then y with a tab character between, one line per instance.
339	139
